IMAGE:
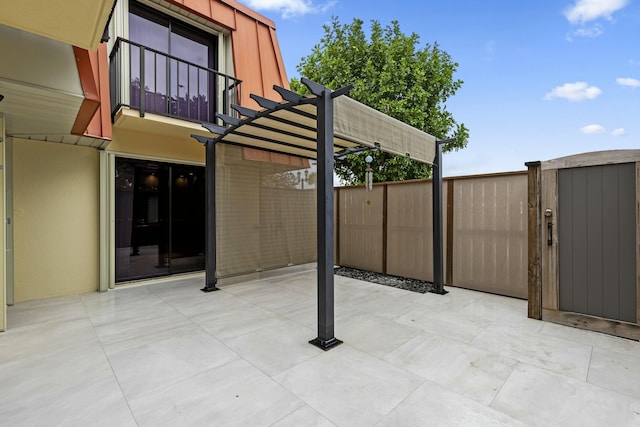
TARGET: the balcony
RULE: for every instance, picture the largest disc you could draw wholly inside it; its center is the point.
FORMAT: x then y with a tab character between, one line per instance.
150	81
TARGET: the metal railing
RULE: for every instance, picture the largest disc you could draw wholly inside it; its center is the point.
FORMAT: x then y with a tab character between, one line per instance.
148	80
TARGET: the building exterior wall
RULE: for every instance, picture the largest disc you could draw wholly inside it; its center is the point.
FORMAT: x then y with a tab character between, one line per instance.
63	202
145	144
3	216
55	219
31	54
257	59
94	117
254	221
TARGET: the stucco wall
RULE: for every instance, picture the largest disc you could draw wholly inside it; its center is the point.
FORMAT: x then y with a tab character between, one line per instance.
56	189
3	282
162	146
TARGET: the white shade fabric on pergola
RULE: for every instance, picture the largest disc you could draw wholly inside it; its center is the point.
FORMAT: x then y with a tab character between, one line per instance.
363	125
316	126
290	127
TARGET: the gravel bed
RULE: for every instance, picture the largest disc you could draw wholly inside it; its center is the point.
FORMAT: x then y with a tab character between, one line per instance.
407	284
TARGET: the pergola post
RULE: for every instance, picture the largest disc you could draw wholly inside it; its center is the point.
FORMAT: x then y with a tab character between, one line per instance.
436	182
263	124
326	338
210	200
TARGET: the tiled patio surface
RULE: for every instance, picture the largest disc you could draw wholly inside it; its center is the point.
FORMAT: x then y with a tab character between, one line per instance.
168	354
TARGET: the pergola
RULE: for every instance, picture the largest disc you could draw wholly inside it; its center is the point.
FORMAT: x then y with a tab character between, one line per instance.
320	126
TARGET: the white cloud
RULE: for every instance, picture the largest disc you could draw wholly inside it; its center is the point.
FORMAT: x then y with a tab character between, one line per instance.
577	91
618	132
590	32
289	8
592	129
589	10
627	81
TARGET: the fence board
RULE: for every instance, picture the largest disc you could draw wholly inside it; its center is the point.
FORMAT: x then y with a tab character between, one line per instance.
490	234
410	230
360	226
487	230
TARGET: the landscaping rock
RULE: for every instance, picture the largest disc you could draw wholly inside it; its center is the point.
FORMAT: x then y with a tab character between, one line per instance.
405	283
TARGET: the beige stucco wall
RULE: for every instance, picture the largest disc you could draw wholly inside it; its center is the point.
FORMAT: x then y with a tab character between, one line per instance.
3	282
56	194
176	147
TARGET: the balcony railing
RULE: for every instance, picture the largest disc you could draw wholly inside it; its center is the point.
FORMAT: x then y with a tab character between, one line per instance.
151	81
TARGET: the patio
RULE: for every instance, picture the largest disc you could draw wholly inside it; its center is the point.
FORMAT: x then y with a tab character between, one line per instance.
168	354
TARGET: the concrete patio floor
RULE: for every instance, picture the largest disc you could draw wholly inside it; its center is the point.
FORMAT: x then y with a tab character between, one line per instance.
168	354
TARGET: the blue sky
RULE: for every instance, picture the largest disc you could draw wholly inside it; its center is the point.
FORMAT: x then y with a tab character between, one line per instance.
542	78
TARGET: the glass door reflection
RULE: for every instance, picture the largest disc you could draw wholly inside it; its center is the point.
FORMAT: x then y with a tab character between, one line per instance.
159	227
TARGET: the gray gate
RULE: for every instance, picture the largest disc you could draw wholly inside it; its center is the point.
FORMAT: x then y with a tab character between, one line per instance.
596	241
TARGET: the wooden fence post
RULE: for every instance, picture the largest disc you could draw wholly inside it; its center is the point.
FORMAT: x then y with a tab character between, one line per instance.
450	213
384	229
534	241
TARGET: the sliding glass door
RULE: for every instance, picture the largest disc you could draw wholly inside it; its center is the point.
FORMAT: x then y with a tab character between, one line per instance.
159	219
179	60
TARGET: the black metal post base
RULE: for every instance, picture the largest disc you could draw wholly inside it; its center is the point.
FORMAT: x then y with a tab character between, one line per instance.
440	291
210	288
326	344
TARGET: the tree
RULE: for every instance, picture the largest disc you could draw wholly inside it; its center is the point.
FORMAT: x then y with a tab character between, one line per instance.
392	75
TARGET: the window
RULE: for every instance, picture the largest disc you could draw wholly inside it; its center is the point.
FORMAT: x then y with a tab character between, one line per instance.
176	72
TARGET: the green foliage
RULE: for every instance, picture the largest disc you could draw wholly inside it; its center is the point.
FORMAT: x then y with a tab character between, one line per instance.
392	75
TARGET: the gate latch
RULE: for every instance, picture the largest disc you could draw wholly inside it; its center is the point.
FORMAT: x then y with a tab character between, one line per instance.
547	213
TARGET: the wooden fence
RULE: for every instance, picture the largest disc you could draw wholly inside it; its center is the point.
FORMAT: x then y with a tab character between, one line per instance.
389	230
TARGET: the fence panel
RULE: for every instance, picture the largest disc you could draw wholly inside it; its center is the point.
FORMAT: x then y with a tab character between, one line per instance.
360	227
490	234
486	232
410	229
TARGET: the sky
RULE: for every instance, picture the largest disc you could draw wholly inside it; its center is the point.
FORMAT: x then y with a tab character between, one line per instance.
542	78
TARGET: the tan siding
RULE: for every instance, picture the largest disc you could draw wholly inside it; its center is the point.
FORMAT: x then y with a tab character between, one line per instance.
361	228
